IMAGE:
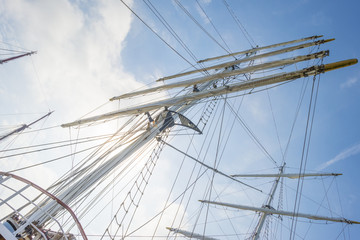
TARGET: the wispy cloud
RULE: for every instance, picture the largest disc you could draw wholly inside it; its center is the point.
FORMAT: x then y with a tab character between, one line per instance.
341	156
349	83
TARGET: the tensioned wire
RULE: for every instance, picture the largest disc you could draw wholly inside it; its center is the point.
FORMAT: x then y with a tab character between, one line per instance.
68	143
212	24
321	203
199	25
152	30
305	151
240	25
58	158
170	29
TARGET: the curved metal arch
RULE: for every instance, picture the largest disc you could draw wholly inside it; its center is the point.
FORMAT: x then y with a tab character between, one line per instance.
82	232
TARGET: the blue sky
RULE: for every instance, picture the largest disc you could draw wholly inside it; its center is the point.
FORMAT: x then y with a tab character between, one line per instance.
91	51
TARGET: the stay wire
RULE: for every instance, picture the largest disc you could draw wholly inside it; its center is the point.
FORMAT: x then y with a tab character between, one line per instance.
86	139
217	31
327	199
275	125
169	28
199	25
214	169
48	148
309	140
169	205
252	135
305	151
239	24
162	39
53	160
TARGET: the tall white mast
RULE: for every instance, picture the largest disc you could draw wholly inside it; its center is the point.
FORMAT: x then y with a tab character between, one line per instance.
263	216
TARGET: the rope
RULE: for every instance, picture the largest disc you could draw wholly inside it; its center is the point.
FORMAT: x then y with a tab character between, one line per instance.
305	151
162	39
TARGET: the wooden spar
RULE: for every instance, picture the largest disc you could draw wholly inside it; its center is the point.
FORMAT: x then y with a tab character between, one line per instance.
234	72
278	212
24	126
248	59
15	57
217	91
287	175
261	48
190	234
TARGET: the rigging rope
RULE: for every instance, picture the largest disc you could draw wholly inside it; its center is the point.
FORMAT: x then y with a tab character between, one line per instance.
240	25
217	31
214	169
252	135
162	39
199	25
170	29
305	151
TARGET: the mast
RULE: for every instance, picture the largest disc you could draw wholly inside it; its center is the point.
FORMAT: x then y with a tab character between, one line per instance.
261	222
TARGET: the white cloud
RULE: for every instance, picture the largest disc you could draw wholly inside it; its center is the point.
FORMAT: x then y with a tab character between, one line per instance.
202	14
206	1
349	83
341	156
79	61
